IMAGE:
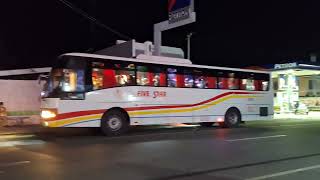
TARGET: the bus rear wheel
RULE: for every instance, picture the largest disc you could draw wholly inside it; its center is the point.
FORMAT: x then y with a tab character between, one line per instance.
232	119
114	123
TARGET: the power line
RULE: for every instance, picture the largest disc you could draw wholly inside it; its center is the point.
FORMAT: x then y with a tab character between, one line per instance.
96	21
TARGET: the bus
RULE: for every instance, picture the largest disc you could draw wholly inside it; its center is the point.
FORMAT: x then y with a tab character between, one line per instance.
114	93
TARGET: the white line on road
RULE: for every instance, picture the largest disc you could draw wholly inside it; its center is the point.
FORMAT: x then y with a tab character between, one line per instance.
285	173
20	143
15	136
256	138
14	163
294	125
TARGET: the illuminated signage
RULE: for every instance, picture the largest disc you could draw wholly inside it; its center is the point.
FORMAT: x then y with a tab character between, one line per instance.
286	66
179	10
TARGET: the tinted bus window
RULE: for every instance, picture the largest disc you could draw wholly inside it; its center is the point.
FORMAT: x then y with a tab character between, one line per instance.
144	77
188	79
125	74
97	78
204	80
172	77
255	82
233	81
160	77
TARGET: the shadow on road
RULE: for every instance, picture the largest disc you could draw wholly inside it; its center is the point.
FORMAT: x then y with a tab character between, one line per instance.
147	133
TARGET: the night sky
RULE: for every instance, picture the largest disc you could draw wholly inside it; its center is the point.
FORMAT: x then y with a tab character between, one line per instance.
228	33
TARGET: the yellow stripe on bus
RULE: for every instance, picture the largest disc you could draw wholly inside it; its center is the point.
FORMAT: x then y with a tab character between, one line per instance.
73	120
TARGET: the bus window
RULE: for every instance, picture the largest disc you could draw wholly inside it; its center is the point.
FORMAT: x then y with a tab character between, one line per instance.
97	78
233	82
172	77
200	82
125	74
158	77
247	84
265	85
143	76
255	82
188	79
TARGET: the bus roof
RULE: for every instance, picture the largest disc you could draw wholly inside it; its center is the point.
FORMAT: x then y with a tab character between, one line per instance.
160	60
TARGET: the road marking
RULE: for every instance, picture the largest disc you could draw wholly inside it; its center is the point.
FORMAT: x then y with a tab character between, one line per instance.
20	143
294	125
285	173
15	136
14	163
256	138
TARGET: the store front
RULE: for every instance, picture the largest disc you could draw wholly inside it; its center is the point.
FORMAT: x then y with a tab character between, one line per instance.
296	88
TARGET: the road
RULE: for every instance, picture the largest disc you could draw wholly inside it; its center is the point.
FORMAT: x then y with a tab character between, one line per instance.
255	151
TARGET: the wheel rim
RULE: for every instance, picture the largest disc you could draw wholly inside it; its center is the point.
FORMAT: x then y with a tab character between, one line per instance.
115	123
233	118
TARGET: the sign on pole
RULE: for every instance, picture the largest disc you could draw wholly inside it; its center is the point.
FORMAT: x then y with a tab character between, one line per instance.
179	10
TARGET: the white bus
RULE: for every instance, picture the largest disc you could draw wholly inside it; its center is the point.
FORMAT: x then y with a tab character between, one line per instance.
114	93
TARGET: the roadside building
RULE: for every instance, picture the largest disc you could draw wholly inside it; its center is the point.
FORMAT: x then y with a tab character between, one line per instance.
20	94
296	86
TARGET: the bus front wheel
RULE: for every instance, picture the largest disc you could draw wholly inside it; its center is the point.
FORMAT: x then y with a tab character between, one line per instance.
114	123
232	118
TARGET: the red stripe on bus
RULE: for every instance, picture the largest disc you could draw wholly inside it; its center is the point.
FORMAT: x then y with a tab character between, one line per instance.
184	106
77	114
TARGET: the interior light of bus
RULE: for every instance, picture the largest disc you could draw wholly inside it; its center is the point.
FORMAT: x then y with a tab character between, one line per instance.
48	114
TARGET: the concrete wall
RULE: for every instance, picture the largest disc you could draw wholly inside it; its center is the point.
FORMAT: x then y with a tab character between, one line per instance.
20	97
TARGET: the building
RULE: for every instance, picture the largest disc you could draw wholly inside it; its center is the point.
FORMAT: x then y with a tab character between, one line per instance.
295	84
20	91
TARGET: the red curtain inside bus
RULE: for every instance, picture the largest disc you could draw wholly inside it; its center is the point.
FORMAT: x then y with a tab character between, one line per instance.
150	78
109	78
180	80
223	83
212	82
163	79
258	85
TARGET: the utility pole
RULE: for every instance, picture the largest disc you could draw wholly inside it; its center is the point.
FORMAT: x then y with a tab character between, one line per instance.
189	36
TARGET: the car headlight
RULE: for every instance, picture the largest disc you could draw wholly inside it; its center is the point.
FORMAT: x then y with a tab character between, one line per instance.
48	113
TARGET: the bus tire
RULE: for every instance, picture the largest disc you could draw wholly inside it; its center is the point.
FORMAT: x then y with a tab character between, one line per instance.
114	123
232	118
206	124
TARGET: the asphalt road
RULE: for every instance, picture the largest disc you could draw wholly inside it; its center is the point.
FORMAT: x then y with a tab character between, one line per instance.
255	151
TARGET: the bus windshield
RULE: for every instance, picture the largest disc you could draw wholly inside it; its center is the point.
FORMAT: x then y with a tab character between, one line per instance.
62	81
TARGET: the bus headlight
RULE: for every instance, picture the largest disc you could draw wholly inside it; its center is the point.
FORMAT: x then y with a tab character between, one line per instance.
48	113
